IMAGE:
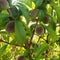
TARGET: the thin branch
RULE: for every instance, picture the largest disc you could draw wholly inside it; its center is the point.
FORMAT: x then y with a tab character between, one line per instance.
9	11
38	39
8	42
32	36
33	31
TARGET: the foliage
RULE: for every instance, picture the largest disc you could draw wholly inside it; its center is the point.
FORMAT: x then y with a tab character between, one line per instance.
29	29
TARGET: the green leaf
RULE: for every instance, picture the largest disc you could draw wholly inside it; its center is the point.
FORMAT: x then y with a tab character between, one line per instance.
26	2
10	2
3	20
43	47
38	3
52	34
7	56
20	32
3	16
41	15
2	50
57	9
53	25
14	12
25	12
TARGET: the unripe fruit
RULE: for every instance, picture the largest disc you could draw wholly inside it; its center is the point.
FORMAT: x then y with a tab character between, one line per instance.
4	4
20	58
39	30
34	12
41	15
10	27
46	20
27	45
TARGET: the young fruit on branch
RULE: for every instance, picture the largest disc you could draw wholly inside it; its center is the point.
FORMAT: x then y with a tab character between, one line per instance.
34	13
20	58
46	20
39	30
10	27
27	45
4	4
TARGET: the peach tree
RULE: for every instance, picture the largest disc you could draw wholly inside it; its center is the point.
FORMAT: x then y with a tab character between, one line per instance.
29	29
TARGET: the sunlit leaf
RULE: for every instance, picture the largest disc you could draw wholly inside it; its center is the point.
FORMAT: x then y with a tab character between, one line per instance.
52	34
27	2
57	9
2	50
43	47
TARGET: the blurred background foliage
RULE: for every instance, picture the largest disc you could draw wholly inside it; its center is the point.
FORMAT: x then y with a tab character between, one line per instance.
35	34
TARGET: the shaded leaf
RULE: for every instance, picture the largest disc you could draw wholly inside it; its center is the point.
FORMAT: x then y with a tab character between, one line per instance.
38	3
3	20
10	2
41	15
53	25
20	32
14	11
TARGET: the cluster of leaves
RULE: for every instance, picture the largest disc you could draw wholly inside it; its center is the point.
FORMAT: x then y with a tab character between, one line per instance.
29	29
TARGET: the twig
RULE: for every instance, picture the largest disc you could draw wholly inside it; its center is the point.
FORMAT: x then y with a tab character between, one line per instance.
32	36
8	42
33	32
9	11
38	39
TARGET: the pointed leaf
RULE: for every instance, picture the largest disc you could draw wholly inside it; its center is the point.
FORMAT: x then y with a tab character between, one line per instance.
2	50
3	20
57	9
43	47
52	34
25	12
20	32
27	2
38	3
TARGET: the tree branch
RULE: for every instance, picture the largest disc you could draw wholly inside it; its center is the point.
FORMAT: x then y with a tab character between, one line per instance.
8	42
33	31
